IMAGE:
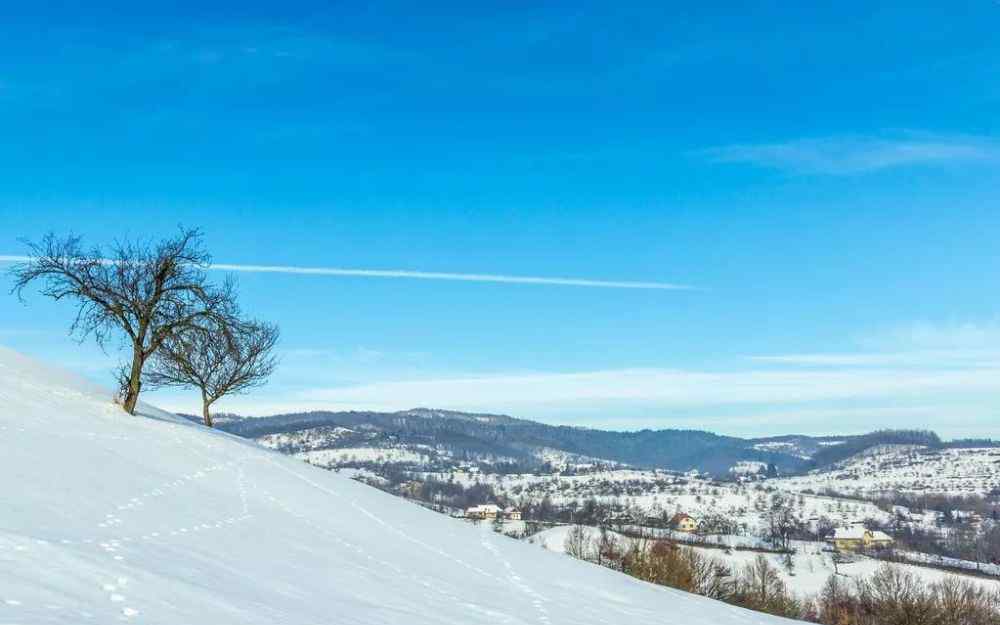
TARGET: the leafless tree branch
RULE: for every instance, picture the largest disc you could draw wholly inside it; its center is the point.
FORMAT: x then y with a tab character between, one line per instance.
145	291
221	357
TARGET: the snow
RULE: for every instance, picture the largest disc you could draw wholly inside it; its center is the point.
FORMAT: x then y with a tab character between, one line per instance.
109	518
855	532
781	447
955	563
565	459
657	492
307	439
907	468
381	455
746	467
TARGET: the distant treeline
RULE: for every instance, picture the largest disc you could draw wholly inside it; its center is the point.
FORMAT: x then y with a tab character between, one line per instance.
971	443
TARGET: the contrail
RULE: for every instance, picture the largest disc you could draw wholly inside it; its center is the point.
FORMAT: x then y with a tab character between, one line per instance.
431	275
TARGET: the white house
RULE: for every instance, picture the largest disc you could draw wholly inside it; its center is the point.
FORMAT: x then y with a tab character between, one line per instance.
491	511
484	511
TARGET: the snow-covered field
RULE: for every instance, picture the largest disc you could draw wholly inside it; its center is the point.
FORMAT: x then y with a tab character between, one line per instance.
108	518
305	440
382	455
812	565
748	467
907	468
659	492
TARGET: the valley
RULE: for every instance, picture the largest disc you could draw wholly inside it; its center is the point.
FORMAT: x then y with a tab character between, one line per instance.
938	503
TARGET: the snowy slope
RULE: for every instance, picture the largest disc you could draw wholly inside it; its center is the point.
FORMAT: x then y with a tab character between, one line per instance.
109	518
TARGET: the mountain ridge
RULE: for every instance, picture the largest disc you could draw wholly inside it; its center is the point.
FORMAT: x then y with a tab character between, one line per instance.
464	434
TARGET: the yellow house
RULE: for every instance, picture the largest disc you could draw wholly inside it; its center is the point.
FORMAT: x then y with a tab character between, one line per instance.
683	523
859	538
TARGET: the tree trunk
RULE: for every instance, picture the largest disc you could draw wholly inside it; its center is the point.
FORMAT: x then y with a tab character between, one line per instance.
205	405
134	382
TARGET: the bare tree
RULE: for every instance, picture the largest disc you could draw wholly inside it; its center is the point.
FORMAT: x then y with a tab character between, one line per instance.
148	292
218	358
577	542
781	523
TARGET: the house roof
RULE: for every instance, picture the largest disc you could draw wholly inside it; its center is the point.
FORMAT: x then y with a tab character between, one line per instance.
488	507
855	532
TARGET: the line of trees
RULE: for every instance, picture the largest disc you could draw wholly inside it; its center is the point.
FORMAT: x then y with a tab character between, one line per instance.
155	301
890	596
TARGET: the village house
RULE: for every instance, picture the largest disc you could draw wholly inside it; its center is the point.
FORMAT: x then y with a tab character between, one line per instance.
487	511
490	512
684	522
859	538
512	514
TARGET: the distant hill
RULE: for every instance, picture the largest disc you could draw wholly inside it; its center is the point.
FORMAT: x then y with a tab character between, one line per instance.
828	456
441	436
431	438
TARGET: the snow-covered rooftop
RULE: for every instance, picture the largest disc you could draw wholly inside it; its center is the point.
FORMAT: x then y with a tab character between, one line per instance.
849	533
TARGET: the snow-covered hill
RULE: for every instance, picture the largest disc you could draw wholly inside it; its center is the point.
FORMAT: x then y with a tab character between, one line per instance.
909	469
443	439
109	518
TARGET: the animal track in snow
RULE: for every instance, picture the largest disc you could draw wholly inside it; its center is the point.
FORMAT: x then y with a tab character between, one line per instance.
379	564
115	595
537	601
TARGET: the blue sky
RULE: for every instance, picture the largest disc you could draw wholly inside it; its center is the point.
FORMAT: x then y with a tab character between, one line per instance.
825	179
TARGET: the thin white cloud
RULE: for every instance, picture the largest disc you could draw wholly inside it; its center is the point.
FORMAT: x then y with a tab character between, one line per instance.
663	388
914	344
960	335
929	358
431	275
842	155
